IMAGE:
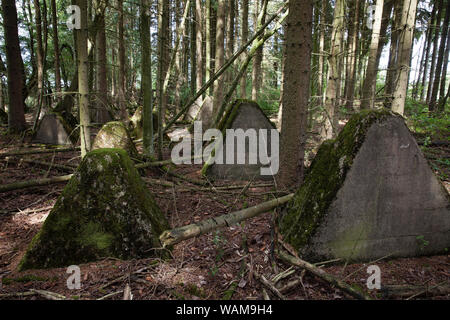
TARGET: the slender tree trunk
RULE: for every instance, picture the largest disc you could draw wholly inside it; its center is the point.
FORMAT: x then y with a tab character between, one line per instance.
427	51
163	44
57	62
244	39
392	72
146	78
193	51
260	14
121	82
102	115
207	40
334	76
435	50
445	66
404	60
40	60
296	91
16	107
199	47
220	55
83	78
230	37
440	58
352	63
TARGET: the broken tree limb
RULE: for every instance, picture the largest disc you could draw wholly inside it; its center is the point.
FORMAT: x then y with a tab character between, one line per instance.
323	275
34	183
171	237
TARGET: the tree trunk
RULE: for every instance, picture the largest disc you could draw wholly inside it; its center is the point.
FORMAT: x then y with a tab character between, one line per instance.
121	84
146	78
102	115
16	116
382	15
260	14
404	60
230	36
334	76
207	40
57	62
444	68
199	47
427	51
435	50
40	60
244	38
296	91
219	56
437	75
83	79
351	64
392	72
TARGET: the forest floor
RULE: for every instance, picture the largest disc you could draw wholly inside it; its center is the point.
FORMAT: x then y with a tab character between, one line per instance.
222	264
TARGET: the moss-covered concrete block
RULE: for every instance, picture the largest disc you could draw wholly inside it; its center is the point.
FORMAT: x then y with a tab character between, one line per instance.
368	194
104	211
136	124
115	135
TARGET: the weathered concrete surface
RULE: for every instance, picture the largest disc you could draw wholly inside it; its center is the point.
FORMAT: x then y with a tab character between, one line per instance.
136	123
244	115
104	211
115	135
53	130
390	201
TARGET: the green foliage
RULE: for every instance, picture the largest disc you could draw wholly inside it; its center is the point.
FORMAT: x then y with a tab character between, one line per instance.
420	120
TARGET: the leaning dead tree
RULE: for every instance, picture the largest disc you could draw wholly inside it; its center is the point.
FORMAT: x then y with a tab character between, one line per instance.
171	237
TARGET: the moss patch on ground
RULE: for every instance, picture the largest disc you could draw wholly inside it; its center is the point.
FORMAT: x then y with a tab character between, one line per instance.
104	211
304	213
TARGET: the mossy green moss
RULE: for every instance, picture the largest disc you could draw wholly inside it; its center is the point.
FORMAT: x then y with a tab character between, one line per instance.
104	211
324	178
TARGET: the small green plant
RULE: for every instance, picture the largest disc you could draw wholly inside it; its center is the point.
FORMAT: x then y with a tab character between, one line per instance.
219	243
422	242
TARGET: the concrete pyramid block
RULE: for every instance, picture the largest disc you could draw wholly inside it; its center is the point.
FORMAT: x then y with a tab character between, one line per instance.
104	211
54	130
368	194
247	117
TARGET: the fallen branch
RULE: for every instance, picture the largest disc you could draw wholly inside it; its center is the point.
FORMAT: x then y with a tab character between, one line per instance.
323	275
48	164
49	295
34	183
177	235
410	291
270	286
32	152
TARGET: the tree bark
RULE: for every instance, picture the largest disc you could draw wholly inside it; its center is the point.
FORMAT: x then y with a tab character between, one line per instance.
334	76
352	61
437	30
296	86
121	84
244	38
404	60
440	59
427	50
260	15
147	88
83	79
219	56
57	63
16	116
102	114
